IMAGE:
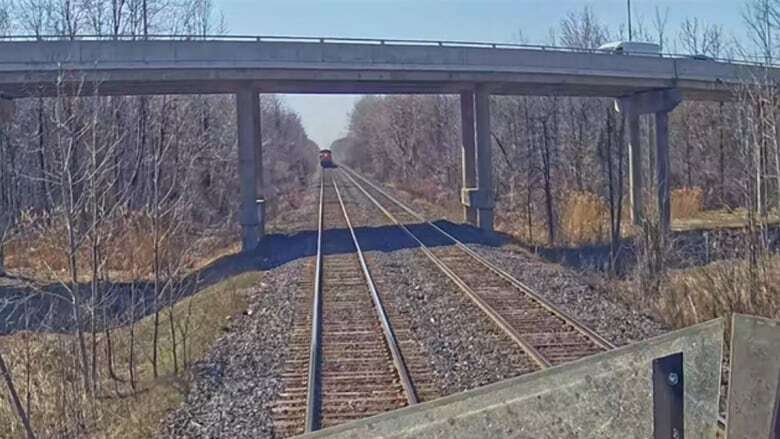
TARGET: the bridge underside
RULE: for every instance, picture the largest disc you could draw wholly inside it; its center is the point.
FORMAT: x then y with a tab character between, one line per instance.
284	82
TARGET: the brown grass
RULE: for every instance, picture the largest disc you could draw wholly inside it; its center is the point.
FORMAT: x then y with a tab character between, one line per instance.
715	290
584	218
687	202
119	411
41	251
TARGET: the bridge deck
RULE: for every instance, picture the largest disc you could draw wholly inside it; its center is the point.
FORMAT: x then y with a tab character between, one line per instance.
212	66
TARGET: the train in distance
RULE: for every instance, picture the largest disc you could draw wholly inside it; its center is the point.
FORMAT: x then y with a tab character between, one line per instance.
326	159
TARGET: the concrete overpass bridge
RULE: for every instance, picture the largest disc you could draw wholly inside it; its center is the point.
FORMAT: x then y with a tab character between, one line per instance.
247	66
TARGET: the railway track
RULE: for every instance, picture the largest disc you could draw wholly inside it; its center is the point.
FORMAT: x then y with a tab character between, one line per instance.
347	360
545	333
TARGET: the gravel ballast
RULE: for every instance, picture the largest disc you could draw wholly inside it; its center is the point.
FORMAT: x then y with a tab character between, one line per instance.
569	290
466	349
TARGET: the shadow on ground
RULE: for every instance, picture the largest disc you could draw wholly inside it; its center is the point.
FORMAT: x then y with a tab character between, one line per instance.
49	308
689	248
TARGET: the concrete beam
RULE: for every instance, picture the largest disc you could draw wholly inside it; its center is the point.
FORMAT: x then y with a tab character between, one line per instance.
248	113
469	165
653	101
484	160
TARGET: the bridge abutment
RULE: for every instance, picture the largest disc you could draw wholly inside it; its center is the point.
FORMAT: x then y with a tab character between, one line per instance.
249	167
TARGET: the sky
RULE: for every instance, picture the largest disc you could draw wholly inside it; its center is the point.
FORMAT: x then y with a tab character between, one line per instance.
326	118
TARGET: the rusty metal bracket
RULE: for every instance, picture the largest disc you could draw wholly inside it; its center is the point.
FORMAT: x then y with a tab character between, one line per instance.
668	397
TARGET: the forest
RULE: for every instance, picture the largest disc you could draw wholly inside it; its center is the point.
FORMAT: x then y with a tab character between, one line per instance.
108	204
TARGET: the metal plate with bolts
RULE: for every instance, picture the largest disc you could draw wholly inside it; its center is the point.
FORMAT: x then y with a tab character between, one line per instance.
668	397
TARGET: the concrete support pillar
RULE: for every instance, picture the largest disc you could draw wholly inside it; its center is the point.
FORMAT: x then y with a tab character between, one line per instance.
486	199
662	165
248	112
635	167
469	164
660	103
259	183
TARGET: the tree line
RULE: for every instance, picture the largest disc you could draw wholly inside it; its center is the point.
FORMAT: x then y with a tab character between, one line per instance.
112	200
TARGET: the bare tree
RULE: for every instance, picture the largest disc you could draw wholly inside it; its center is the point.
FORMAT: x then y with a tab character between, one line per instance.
701	39
660	21
611	147
9	383
759	16
582	29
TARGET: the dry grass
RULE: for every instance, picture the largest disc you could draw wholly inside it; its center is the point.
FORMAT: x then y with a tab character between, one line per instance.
584	219
720	219
687	202
120	412
515	224
40	252
718	289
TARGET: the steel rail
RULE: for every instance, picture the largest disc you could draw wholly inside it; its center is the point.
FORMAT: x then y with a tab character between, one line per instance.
314	354
387	329
756	61
494	315
590	334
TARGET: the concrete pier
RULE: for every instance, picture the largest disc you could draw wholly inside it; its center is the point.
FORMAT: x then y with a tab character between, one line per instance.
485	202
662	170
635	167
248	113
659	103
259	182
469	164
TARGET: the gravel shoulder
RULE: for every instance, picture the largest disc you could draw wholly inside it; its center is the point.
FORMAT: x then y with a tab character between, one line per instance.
235	385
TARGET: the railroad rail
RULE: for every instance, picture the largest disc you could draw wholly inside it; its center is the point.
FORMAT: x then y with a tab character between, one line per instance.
345	360
547	334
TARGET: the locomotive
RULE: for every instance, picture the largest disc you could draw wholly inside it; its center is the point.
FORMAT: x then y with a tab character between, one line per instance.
326	159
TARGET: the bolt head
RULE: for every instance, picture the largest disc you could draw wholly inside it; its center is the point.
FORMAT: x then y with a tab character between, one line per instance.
673	379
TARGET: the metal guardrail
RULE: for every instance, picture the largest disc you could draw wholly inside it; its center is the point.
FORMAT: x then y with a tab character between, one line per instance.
757	61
